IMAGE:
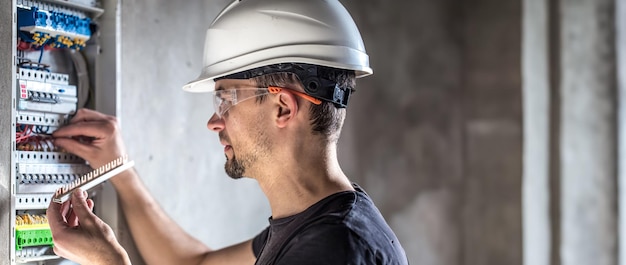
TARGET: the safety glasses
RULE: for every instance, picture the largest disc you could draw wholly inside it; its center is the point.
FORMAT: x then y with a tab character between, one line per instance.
224	99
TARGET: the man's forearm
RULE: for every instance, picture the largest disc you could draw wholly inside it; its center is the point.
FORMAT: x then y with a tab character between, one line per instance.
159	239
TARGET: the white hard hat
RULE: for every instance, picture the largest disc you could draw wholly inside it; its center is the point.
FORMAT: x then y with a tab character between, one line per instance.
253	33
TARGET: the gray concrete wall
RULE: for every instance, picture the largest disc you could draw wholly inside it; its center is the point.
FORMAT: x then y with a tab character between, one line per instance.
575	157
492	132
588	135
434	136
403	134
620	31
165	128
537	232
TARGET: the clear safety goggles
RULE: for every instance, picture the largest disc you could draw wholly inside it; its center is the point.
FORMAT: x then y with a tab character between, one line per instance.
224	99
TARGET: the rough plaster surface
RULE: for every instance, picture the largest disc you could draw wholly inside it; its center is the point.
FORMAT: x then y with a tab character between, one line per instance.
424	227
620	31
492	133
180	161
442	112
404	139
404	134
588	135
536	88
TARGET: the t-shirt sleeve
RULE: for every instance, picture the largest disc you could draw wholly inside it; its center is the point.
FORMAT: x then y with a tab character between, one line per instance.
259	241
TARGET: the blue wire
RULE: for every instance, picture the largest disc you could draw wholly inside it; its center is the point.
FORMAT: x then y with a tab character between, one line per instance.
40	55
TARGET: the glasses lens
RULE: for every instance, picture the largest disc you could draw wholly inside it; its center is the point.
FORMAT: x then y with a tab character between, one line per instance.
218	102
224	99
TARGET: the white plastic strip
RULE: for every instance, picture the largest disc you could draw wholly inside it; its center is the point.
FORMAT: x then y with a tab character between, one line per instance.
93	178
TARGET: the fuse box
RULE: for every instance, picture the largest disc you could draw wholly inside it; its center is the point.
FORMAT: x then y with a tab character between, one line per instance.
62	58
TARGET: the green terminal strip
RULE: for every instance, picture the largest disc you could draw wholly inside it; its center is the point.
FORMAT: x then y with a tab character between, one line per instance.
32	235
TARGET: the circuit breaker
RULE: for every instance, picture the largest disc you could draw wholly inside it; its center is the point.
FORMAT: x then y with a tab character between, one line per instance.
63	57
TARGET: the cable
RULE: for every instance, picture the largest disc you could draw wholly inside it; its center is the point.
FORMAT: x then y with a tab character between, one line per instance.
27	140
34	66
82	74
24	135
40	129
40	55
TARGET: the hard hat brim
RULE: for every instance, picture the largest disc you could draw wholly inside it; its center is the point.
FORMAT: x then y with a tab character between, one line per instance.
351	59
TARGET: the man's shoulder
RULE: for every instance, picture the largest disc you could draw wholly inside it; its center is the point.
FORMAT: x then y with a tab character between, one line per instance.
358	235
344	228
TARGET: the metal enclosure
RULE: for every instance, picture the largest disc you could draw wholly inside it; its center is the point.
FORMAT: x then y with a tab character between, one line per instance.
36	98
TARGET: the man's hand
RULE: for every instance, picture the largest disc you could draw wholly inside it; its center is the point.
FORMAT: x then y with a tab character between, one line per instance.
93	136
79	235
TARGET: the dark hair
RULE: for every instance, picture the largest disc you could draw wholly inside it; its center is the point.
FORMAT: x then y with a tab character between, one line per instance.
326	118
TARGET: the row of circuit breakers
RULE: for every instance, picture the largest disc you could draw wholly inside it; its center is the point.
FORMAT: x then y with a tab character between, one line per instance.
45	99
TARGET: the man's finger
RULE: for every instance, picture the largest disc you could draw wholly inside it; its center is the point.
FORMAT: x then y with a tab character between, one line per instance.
66	207
89	201
90	204
75	147
72	219
95	129
55	217
81	208
87	115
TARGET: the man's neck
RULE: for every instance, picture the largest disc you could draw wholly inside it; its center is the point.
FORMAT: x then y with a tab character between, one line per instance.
300	179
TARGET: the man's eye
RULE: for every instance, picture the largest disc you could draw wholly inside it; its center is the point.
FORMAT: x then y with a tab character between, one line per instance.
222	97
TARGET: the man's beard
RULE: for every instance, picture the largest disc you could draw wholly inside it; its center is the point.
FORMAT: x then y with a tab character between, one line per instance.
234	169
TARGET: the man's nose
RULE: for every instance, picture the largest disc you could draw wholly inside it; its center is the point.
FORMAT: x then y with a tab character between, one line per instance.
215	124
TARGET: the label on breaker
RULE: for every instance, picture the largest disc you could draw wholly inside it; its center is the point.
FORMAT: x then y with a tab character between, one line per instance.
46	97
56	89
24	168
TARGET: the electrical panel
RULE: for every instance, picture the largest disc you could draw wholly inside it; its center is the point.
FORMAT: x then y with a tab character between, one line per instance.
58	67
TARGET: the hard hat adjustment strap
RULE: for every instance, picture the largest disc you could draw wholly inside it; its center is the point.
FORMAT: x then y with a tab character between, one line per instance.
316	85
314	78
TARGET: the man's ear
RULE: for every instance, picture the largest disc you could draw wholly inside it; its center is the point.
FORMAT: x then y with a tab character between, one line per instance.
287	105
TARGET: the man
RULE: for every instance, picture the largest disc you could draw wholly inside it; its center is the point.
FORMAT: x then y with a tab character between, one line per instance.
281	72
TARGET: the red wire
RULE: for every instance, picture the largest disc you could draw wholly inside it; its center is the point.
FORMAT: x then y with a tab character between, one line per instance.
23	46
27	136
24	134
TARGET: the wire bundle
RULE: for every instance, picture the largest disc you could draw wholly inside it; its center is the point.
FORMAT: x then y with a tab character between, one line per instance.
34	138
23	62
28	219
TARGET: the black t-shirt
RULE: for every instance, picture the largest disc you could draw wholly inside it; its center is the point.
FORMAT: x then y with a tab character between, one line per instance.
343	228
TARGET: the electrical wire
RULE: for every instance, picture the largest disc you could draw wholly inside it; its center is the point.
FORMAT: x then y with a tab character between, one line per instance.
23	135
27	140
40	55
40	129
82	75
28	64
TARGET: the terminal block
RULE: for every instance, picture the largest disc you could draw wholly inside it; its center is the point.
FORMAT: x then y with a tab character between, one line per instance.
31	231
32	235
60	29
